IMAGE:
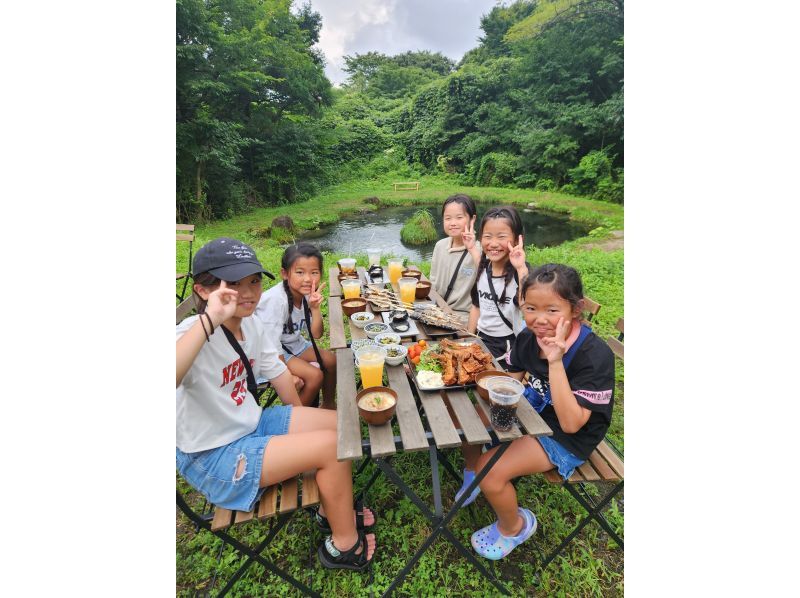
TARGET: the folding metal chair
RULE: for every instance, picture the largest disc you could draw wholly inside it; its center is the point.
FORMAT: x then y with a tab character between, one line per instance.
604	465
219	521
185	232
590	309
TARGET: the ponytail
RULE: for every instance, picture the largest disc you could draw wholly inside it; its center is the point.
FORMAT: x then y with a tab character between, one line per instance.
288	292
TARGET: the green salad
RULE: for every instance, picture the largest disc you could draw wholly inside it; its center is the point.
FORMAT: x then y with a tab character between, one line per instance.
426	362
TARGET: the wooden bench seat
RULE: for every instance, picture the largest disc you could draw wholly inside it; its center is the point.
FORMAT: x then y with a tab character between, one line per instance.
406	186
603	465
280	498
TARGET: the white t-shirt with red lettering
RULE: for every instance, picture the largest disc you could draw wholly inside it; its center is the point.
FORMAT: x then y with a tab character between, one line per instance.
214	407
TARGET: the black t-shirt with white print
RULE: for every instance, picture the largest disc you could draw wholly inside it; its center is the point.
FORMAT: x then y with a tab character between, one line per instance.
591	378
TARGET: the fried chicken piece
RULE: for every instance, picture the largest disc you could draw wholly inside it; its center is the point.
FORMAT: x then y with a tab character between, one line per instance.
463	374
471	365
449	371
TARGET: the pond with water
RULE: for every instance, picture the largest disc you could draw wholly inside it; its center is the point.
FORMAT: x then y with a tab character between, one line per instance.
357	232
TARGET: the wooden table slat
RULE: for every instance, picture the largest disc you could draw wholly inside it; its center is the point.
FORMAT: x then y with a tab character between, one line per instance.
381	440
349	429
530	420
502	436
334	288
469	421
411	431
439	421
337	336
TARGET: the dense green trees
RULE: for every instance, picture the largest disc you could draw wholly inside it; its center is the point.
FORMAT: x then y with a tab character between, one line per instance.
539	103
249	85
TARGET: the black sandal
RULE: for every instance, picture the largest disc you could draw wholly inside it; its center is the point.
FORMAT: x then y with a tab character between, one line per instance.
333	558
325	526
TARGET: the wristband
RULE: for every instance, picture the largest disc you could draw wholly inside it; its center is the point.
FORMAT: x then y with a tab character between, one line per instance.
210	323
200	317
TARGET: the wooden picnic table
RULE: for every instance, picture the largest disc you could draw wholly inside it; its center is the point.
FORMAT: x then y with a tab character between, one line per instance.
430	428
337	327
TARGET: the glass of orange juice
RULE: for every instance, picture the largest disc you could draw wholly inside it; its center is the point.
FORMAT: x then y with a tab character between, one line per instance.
351	288
370	364
408	288
395	269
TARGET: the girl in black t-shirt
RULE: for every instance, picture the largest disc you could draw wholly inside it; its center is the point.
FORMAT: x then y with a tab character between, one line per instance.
571	384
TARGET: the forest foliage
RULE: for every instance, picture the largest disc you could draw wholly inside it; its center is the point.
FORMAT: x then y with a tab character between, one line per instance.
537	104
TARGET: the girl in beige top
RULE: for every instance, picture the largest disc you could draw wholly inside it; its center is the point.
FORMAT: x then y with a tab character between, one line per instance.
452	269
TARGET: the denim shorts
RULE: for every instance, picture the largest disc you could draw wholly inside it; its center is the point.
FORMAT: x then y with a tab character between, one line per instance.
212	472
559	456
287	356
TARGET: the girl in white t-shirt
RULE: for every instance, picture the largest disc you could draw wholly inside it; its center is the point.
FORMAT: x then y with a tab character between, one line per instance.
285	310
227	446
495	312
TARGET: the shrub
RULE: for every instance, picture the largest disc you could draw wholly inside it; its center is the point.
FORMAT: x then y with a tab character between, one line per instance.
419	229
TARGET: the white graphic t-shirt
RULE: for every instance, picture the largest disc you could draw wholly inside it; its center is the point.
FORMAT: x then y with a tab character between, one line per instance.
273	311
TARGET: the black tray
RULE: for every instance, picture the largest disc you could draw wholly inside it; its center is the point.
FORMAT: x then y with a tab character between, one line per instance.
413	369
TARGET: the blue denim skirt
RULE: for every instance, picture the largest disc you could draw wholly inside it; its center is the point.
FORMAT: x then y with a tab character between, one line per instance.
564	461
213	472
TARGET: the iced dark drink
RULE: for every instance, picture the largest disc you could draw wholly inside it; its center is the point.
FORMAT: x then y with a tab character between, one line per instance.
504	394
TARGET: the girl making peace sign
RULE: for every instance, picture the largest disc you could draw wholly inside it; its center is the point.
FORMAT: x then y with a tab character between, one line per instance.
288	309
495	310
452	270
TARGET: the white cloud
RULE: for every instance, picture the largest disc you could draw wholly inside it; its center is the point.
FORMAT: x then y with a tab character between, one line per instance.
395	26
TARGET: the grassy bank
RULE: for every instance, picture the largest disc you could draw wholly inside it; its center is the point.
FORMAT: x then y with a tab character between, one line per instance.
592	566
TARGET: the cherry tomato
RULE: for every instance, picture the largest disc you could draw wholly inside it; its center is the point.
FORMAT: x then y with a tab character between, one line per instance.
415	360
423	343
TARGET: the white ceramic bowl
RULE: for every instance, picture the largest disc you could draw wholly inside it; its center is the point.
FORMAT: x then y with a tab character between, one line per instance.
398	359
373	329
385	339
368	317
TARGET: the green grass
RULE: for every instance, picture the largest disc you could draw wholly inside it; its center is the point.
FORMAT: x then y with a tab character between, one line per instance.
592	566
419	229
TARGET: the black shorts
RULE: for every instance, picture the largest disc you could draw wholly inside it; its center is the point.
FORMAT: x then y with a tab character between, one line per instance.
497	345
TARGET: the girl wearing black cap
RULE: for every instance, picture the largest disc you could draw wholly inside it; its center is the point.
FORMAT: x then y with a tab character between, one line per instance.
228	447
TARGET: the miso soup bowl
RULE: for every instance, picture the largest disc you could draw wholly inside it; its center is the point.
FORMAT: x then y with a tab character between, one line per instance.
377	418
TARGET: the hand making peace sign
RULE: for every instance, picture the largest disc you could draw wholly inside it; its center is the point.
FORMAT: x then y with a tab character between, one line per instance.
555	346
315	298
222	303
516	254
468	236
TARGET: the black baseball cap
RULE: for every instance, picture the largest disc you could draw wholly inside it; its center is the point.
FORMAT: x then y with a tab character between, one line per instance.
227	259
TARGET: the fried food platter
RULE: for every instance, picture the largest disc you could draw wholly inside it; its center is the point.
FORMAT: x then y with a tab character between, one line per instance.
460	361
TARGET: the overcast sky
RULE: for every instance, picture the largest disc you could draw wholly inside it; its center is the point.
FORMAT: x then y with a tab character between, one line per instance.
395	26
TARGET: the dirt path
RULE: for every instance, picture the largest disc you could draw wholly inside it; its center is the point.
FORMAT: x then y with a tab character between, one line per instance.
616	242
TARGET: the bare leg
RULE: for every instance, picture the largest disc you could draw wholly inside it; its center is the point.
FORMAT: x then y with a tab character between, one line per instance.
311	444
329	379
524	456
310	375
472	452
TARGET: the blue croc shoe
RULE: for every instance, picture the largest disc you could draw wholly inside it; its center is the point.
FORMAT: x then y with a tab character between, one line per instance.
491	544
468	477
